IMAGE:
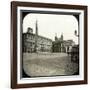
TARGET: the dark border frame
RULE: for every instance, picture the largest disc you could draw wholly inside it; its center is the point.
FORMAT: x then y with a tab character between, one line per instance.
14	5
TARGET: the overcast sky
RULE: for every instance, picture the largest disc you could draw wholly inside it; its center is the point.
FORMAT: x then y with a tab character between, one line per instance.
49	24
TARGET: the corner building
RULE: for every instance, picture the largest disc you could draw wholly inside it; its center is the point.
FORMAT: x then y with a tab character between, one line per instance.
35	43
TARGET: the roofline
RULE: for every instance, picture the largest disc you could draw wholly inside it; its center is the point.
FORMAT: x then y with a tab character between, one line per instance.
39	36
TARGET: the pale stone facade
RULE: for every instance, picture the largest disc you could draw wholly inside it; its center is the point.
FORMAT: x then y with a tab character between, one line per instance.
36	43
61	45
32	42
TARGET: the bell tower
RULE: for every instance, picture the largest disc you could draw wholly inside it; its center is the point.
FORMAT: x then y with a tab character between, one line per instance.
56	37
62	36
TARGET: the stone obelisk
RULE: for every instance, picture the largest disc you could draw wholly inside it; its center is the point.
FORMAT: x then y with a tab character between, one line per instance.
36	36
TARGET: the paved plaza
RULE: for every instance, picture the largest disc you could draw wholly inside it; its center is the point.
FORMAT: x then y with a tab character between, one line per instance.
48	64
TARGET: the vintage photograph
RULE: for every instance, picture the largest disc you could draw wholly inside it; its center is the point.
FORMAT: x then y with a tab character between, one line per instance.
50	44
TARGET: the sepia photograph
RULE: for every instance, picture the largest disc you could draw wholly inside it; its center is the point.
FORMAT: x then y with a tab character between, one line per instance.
50	44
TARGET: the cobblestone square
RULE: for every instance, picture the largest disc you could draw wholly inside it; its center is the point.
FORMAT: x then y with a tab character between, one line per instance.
48	64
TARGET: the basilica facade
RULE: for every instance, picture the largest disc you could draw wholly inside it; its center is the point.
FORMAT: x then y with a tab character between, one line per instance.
61	45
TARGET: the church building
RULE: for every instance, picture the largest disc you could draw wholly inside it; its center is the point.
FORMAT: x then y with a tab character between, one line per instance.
61	45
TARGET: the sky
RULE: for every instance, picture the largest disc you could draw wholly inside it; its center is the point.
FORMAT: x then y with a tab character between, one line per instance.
50	25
